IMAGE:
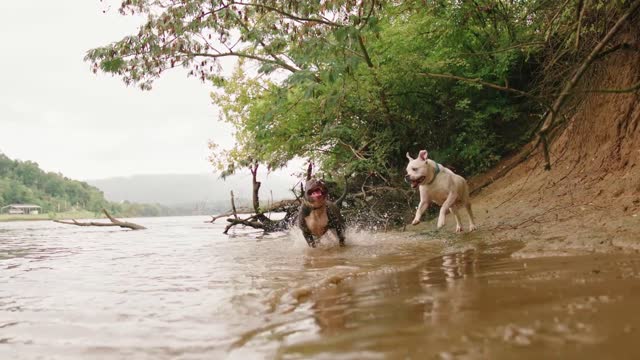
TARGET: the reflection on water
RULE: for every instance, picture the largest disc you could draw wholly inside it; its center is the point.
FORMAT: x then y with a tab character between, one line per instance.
183	290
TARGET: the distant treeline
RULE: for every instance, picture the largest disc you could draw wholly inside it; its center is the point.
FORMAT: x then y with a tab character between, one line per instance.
23	182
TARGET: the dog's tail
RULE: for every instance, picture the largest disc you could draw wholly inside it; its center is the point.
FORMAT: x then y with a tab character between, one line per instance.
339	201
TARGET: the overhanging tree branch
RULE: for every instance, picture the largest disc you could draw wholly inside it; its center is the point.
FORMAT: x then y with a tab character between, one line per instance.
289	15
486	84
477	81
382	93
244	55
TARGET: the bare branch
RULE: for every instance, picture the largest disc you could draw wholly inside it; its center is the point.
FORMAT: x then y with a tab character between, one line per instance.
632	88
566	91
233	205
291	16
621	46
244	55
309	169
582	6
553	19
486	84
114	222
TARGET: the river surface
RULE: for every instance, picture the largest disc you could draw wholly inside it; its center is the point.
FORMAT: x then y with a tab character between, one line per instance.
183	290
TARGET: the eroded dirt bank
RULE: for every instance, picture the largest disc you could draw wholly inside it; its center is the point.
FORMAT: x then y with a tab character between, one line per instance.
590	200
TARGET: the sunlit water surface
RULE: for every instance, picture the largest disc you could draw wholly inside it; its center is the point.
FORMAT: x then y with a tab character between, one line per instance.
183	290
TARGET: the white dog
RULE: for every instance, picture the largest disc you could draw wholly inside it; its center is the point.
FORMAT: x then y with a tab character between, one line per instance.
440	185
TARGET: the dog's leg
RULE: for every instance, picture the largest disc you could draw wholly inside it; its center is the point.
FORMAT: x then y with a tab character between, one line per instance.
422	207
340	233
455	215
336	221
303	212
310	240
451	199
472	225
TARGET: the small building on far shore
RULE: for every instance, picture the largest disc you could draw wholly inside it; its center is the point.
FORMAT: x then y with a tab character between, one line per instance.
18	209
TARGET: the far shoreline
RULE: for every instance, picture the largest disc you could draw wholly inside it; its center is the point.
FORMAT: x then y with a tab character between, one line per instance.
76	215
50	216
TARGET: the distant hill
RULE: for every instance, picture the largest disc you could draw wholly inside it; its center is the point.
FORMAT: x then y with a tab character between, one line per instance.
24	182
139	195
195	190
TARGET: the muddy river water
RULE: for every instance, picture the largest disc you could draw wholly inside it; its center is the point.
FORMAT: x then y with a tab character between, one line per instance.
182	290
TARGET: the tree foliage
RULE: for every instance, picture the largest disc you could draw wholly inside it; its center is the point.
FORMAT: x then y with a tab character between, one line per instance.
347	83
24	182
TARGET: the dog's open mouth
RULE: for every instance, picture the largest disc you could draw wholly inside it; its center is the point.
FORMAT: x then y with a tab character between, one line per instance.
415	183
316	193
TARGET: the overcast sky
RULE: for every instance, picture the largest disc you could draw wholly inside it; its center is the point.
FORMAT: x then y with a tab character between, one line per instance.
56	112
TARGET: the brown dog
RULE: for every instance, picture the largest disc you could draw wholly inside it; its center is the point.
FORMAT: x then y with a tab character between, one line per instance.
317	214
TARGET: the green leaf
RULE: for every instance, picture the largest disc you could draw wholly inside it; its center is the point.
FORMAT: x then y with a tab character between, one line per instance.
114	65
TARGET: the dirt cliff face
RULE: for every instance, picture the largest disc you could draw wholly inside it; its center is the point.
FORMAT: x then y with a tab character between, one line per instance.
590	199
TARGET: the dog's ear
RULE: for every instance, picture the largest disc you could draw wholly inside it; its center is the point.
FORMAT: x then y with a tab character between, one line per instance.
409	156
423	155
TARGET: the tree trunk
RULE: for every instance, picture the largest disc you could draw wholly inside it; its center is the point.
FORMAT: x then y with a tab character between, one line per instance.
256	188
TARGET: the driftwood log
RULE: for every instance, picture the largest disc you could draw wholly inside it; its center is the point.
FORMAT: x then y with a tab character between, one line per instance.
114	222
278	206
227	214
257	218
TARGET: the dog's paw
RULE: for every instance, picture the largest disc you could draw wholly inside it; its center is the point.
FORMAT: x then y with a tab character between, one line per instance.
459	229
472	227
440	223
415	222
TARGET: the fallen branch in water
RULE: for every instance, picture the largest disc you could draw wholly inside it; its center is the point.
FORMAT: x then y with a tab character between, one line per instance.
227	214
278	206
114	222
233	212
259	220
246	222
